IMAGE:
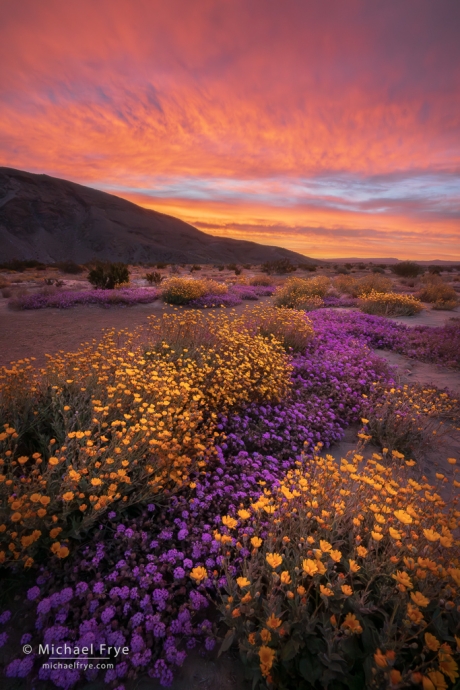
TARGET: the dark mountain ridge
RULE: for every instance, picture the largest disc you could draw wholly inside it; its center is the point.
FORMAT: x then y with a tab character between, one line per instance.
49	219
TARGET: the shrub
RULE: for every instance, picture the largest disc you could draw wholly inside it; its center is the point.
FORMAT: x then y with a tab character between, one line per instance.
195	267
360	286
21	265
297	292
184	290
153	278
106	276
350	581
438	293
307	267
389	304
231	267
279	266
378	269
70	267
407	269
291	328
261	280
409	418
247	267
162	264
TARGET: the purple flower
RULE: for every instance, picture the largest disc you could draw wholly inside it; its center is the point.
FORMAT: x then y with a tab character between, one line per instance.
33	593
3	638
5	617
179	573
107	614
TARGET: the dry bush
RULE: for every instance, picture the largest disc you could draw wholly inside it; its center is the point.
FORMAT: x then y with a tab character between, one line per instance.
297	293
264	281
437	292
357	287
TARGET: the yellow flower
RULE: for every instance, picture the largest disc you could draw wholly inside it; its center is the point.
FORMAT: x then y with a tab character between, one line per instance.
246	599
290	595
199	573
273	622
243	582
309	566
448	665
63	552
437	679
41	512
236	613
53	461
377	536
431	535
403	517
256	542
285	578
325	546
403	578
380	659
326	591
54	532
419	599
45	500
244	514
266	656
395	675
96	481
351	623
22	459
451	461
431	642
414	613
68	496
361	551
274	559
354	567
265	635
301	590
229	522
252	638
347	590
336	556
394	534
455	575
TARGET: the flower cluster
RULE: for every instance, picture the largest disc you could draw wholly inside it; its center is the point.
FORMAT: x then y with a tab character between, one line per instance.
178	290
103	298
350	561
389	304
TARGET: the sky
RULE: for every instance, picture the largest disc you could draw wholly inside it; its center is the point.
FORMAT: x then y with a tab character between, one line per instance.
330	127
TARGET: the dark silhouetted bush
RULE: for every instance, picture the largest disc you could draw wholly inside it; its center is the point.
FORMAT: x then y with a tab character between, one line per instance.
279	266
407	269
69	267
154	278
106	276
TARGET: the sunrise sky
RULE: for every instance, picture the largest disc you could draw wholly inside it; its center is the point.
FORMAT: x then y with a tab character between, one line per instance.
331	127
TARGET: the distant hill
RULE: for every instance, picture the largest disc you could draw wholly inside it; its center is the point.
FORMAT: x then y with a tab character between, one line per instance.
354	260
50	220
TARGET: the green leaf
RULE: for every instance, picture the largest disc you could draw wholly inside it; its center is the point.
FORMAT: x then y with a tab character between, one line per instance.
227	641
290	649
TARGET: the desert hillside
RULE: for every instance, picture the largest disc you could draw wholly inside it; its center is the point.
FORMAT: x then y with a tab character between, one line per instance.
50	219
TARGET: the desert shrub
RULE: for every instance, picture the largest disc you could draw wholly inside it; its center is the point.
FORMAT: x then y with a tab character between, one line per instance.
378	269
345	284
307	267
184	290
407	269
195	267
293	329
237	271
408	418
264	281
435	270
297	292
221	268
389	304
21	265
356	287
153	278
231	267
438	293
341	270
106	276
69	267
162	264
279	266
118	422
350	580
247	267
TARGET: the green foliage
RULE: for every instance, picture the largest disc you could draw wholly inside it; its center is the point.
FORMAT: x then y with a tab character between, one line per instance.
69	267
407	269
106	276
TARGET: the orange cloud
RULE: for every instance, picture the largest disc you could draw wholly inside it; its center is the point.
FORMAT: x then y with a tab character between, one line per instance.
241	116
